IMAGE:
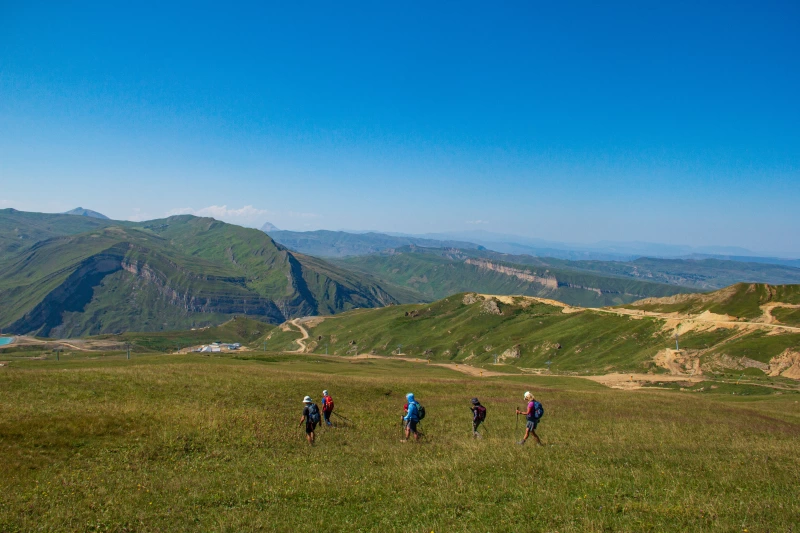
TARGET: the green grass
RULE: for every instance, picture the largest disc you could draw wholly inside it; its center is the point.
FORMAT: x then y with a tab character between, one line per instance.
760	346
191	443
786	315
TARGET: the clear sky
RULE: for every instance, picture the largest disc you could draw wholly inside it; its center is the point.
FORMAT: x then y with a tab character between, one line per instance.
675	122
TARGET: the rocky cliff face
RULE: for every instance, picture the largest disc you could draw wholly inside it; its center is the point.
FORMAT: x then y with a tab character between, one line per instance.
525	275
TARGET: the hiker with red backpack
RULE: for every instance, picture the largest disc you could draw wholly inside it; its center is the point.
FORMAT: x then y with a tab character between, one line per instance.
327	407
478	416
310	417
532	414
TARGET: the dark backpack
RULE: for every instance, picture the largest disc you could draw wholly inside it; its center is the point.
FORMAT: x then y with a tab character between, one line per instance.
420	411
538	410
480	413
313	413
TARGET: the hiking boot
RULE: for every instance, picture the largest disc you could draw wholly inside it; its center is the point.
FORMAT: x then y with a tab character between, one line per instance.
521	443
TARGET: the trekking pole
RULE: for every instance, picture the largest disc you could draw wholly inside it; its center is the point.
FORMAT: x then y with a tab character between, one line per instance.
517	427
342	417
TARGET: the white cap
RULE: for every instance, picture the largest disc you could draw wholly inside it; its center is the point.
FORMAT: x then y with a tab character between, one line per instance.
325	392
528	396
307	399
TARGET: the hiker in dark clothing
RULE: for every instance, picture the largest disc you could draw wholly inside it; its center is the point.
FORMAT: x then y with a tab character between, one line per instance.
310	417
478	416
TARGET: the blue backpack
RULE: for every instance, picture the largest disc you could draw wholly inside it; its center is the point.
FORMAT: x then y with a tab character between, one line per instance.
538	410
313	413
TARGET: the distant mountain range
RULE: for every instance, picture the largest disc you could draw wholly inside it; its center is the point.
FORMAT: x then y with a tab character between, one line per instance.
696	272
436	273
323	243
70	275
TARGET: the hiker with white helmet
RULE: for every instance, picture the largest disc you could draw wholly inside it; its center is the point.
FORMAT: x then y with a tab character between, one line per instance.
532	414
414	413
310	417
327	407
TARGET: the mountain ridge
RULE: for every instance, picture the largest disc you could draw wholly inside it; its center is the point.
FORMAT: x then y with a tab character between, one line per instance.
171	273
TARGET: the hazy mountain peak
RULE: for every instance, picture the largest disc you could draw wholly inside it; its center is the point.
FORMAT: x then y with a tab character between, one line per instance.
269	226
86	213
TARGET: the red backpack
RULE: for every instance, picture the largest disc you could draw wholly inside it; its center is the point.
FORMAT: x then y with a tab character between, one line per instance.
328	404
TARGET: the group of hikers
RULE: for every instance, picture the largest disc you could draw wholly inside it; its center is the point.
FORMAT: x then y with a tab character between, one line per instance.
414	412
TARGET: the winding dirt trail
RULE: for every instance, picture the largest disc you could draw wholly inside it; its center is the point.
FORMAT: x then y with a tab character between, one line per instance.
767	309
301	341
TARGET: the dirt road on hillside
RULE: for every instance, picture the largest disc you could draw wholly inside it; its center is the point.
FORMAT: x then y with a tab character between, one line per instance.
301	341
703	318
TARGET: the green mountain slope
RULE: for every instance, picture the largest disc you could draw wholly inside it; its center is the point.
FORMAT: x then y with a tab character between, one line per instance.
437	273
174	273
20	230
527	333
745	301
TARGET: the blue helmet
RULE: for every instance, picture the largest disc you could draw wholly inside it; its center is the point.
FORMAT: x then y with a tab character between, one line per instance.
410	396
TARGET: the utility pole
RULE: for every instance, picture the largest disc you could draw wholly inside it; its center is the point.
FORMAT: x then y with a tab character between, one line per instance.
676	341
128	350
265	345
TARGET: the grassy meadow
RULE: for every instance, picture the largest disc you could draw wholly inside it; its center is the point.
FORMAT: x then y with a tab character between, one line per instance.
193	443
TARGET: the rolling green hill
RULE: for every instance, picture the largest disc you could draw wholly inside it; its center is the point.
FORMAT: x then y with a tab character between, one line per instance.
437	273
527	333
742	301
67	275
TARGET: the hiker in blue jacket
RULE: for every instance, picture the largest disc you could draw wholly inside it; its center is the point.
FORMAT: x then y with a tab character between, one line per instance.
412	417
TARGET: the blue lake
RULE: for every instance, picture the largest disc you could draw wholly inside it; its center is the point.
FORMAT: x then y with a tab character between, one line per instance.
6	340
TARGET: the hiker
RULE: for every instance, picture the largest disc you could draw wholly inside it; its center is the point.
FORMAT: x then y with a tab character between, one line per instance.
412	417
327	407
533	414
310	417
478	416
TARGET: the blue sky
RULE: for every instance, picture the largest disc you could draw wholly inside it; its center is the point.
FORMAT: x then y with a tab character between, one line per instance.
675	122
